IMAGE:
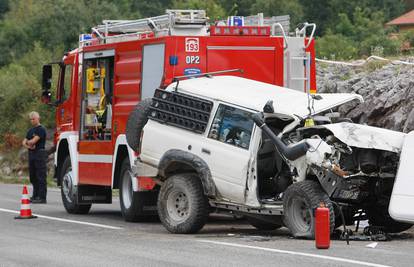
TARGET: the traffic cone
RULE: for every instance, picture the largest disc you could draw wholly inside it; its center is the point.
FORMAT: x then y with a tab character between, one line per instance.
25	210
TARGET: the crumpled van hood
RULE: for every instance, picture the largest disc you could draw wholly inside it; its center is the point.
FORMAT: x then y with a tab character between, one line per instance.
365	136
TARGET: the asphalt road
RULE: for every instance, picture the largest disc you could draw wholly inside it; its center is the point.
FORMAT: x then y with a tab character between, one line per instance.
102	238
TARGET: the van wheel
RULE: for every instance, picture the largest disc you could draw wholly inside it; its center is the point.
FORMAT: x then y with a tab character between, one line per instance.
182	205
299	203
132	203
263	225
378	216
69	192
136	122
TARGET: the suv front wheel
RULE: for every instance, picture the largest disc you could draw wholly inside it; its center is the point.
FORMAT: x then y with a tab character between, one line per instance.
182	205
299	203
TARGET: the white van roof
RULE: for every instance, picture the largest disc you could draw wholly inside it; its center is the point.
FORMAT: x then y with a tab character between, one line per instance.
253	95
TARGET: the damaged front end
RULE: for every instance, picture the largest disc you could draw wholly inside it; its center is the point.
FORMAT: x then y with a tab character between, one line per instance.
356	165
350	164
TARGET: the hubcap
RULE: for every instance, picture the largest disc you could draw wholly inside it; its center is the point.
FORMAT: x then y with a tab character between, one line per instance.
177	206
302	214
67	186
127	189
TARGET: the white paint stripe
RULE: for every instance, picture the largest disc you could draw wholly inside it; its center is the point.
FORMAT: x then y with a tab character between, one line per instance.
296	253
95	158
249	48
66	220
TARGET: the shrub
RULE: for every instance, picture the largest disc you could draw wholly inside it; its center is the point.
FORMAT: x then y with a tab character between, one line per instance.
335	46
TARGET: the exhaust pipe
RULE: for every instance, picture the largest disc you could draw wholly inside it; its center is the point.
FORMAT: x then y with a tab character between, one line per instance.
290	152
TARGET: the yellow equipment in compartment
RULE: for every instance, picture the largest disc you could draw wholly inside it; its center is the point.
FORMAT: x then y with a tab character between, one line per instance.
95	77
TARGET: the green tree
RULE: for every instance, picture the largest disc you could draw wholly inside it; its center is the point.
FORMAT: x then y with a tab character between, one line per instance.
280	7
20	92
238	7
335	46
4	7
50	22
213	9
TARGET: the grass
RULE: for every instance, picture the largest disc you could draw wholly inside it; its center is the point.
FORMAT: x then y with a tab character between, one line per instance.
373	65
346	76
13	180
24	180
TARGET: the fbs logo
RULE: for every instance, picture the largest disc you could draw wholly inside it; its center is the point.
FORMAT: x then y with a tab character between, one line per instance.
192	45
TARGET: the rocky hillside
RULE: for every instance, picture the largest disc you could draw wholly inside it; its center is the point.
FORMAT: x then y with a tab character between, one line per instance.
388	91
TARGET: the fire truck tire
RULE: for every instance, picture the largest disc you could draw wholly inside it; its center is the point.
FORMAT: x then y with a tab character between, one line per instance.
182	206
299	203
68	191
133	203
136	121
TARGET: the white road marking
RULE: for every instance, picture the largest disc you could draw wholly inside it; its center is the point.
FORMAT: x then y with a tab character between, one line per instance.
296	253
66	220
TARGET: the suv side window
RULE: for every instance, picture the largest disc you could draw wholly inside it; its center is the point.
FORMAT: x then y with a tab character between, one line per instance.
232	126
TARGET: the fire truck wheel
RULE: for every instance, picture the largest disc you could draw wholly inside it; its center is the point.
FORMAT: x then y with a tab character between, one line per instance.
68	191
132	203
263	224
299	202
136	121
182	206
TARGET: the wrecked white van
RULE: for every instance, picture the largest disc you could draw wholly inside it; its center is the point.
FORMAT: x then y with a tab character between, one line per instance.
272	154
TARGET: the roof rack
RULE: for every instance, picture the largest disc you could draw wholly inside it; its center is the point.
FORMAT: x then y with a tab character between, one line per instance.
176	22
283	22
174	18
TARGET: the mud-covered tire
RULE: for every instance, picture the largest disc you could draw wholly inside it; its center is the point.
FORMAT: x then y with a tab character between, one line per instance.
182	206
263	225
299	203
68	191
136	122
378	216
134	204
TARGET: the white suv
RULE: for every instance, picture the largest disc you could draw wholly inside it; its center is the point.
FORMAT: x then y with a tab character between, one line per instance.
269	153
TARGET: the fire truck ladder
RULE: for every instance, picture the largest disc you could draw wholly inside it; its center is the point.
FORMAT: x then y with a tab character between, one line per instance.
298	60
165	24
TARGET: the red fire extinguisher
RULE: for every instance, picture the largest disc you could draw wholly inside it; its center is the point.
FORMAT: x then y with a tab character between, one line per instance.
322	227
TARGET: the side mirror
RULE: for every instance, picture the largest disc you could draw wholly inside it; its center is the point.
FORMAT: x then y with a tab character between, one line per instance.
46	78
268	108
46	97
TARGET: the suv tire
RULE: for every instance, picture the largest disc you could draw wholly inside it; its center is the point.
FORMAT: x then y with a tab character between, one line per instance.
182	206
68	191
136	122
299	203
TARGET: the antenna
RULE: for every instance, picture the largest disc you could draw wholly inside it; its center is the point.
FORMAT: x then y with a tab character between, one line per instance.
207	74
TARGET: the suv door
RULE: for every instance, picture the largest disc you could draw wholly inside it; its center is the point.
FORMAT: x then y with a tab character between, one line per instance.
227	151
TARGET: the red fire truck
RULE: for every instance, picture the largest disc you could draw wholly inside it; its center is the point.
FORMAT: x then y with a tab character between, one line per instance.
122	62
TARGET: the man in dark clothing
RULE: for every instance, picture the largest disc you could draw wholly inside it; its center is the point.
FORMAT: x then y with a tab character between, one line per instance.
35	142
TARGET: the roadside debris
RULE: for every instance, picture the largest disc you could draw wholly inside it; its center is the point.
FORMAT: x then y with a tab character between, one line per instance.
372	245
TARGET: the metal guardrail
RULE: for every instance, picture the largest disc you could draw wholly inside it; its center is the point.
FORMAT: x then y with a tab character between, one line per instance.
359	64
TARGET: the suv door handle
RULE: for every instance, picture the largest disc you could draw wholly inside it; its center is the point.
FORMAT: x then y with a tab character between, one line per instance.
203	150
